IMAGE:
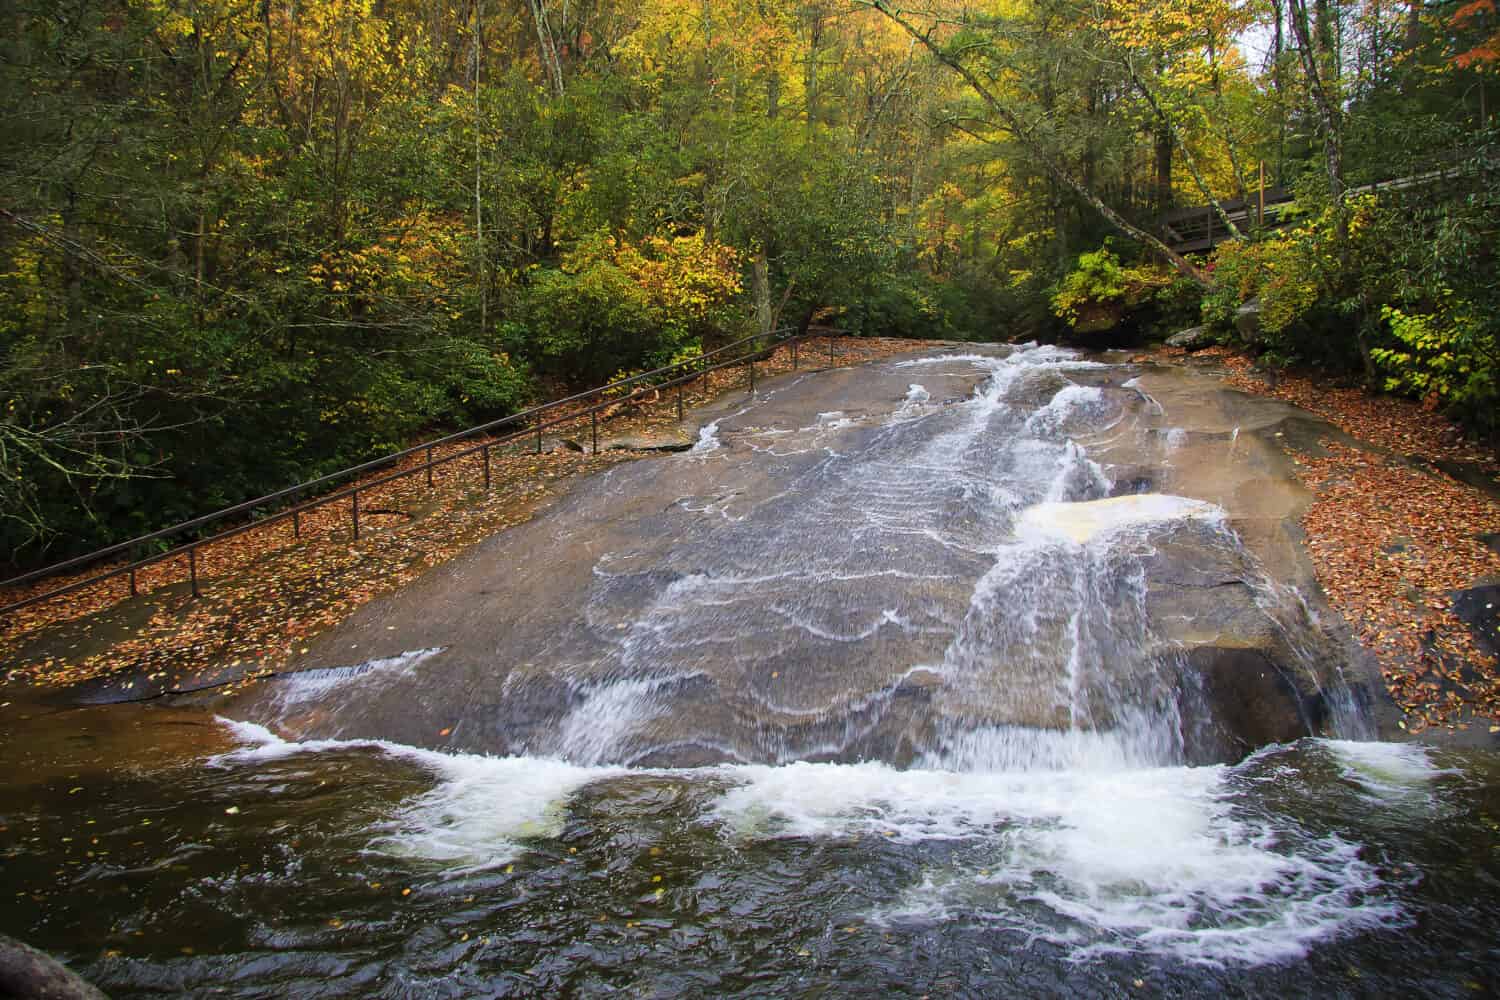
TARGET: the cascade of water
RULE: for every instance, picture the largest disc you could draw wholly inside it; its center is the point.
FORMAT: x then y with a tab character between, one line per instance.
953	592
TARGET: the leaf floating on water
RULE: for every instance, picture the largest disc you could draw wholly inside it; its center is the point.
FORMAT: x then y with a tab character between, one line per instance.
406	892
232	811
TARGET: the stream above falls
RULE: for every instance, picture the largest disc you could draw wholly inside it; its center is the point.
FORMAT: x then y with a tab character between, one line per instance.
990	670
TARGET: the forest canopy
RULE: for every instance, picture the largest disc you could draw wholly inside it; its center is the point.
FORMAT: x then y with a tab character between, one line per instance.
245	242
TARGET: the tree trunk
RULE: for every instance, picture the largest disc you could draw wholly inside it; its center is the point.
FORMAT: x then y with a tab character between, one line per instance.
1162	156
1328	111
1279	48
1166	136
547	47
810	71
765	317
1044	156
1333	148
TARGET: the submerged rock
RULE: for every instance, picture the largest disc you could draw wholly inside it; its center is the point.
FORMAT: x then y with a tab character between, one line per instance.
29	974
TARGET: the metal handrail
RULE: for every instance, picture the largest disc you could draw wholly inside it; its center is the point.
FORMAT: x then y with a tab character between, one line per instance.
685	371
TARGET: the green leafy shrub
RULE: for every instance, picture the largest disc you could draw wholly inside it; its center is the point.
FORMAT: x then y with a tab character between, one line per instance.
904	305
614	306
1449	358
1099	290
1283	272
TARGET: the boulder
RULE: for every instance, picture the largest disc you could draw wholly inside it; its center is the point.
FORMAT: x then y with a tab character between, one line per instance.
1479	608
671	441
30	974
1247	321
1248	701
1194	338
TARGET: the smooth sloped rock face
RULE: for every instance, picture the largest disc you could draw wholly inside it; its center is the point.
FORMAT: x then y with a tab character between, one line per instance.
878	562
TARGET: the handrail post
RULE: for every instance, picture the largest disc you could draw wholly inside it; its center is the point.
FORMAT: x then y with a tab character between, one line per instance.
538	435
750	363
296	524
193	568
486	453
354	509
429	465
830	350
794	354
594	428
679	402
133	591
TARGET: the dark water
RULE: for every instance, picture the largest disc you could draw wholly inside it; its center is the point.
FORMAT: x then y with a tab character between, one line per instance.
160	855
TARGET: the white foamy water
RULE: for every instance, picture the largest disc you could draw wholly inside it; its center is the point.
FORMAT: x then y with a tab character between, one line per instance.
1072	407
914	404
304	686
1395	773
1082	522
477	815
1172	861
1133	860
708	439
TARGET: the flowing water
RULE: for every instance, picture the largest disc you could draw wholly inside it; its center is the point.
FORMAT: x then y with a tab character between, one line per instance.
927	678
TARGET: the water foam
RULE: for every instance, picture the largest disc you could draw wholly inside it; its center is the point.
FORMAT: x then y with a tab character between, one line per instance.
479	813
1070	405
1082	522
1171	861
1394	773
1151	860
708	439
303	686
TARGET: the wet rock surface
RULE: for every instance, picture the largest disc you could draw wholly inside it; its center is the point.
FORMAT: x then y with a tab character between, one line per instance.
29	974
842	568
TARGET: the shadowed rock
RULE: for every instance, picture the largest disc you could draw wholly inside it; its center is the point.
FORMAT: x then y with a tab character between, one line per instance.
29	974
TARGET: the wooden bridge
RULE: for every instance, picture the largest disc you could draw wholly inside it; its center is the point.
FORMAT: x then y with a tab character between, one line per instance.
1198	229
